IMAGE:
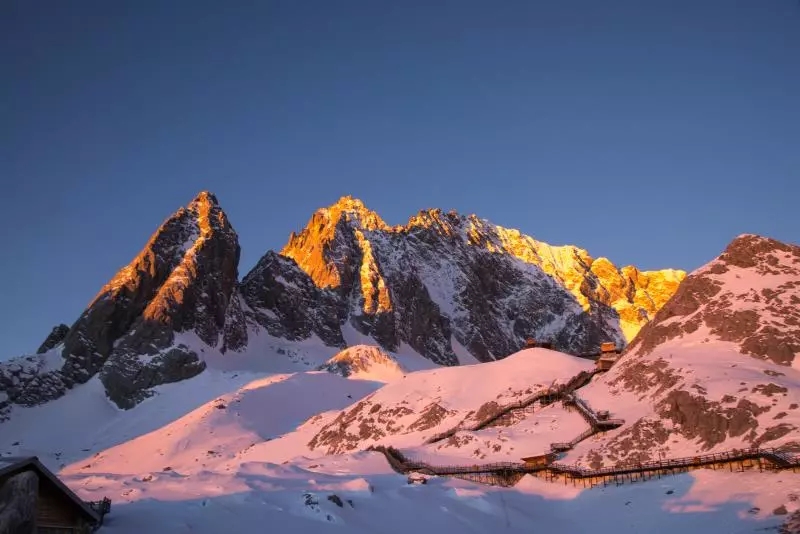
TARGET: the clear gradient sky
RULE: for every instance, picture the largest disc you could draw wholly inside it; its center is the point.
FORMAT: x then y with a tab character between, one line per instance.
650	132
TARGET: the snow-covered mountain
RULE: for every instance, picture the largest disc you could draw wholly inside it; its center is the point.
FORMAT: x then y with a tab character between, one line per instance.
445	281
234	450
450	288
717	368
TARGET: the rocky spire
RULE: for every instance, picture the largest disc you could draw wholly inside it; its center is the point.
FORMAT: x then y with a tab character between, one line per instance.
183	280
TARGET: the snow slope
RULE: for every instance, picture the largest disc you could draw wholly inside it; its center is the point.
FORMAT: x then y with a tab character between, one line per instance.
302	498
228	451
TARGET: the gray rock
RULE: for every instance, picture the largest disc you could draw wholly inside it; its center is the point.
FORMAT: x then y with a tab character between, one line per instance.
285	301
56	336
144	359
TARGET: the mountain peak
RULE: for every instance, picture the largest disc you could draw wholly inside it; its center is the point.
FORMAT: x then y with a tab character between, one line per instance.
350	202
205	198
746	296
183	280
355	212
749	250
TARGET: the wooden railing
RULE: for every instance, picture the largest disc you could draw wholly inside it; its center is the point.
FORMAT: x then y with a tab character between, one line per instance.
552	393
779	459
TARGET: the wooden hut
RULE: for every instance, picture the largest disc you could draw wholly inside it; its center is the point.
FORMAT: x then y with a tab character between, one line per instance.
57	508
606	361
541	460
608	346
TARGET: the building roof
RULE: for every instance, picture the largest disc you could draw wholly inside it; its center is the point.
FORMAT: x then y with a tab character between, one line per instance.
537	457
10	465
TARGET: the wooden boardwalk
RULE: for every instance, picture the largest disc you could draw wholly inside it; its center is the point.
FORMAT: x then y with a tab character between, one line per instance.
564	393
547	396
509	473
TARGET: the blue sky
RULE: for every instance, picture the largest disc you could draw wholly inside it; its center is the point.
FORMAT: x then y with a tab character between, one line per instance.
648	132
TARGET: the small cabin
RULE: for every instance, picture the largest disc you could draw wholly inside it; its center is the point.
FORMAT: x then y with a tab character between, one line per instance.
607	361
542	460
608	346
57	508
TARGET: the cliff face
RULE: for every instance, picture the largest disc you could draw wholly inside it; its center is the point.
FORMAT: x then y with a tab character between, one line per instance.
445	279
184	279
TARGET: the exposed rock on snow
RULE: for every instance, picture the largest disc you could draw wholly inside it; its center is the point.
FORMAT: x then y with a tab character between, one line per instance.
364	361
408	411
750	296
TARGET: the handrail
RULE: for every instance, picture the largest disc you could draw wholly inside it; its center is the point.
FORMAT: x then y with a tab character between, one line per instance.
400	464
558	392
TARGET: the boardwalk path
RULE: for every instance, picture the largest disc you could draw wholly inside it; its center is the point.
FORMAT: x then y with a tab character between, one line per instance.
509	473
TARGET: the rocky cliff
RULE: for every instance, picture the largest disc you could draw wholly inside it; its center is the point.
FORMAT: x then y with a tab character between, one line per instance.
445	279
442	283
184	279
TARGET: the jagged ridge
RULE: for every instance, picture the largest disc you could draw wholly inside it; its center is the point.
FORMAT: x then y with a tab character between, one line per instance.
444	277
439	282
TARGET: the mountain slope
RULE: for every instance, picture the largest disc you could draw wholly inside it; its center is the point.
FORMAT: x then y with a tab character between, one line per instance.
719	366
443	281
407	412
201	473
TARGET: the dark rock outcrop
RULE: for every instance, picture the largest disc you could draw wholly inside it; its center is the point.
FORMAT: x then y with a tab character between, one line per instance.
443	278
18	496
285	301
183	280
56	336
